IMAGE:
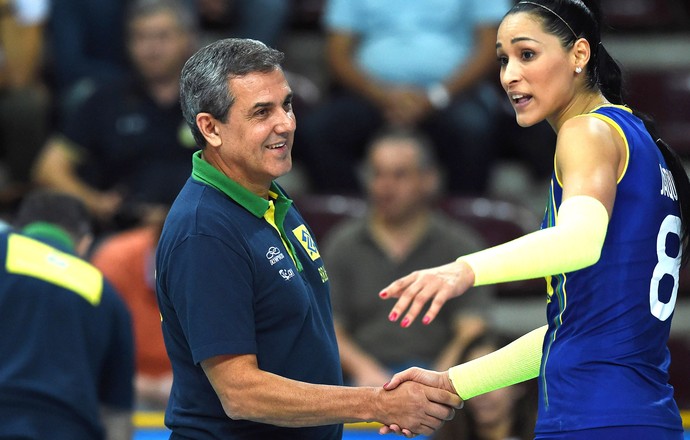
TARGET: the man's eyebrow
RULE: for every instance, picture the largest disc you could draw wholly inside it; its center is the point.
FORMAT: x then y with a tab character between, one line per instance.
262	105
288	97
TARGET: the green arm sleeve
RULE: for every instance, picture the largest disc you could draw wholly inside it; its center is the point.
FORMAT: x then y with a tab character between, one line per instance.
516	362
574	243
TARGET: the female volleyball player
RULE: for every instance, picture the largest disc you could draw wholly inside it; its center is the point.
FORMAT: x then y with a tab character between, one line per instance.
611	244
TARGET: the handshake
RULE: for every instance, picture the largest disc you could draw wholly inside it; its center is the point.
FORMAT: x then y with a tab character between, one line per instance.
418	401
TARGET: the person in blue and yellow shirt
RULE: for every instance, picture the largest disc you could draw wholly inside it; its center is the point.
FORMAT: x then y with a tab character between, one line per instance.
242	288
613	239
67	348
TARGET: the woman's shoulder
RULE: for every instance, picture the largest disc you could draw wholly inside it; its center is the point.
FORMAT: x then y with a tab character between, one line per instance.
585	128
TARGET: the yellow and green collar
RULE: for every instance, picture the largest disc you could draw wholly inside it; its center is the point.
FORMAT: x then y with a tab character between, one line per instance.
49	232
204	172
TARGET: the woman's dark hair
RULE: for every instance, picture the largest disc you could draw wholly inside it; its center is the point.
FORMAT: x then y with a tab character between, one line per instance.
463	426
680	178
570	20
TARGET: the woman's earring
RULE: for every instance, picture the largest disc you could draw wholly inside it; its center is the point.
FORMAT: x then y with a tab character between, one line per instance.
578	69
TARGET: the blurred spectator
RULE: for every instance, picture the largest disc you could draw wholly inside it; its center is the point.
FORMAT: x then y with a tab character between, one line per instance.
505	414
24	98
67	350
127	259
401	233
127	151
418	64
87	48
263	20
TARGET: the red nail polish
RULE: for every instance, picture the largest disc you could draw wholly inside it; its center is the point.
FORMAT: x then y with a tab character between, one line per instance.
393	316
405	322
426	320
383	294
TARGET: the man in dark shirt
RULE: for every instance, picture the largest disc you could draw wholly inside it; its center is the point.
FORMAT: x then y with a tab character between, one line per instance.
126	150
67	349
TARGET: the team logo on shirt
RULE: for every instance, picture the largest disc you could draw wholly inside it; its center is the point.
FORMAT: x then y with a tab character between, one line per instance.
286	273
308	243
323	273
273	255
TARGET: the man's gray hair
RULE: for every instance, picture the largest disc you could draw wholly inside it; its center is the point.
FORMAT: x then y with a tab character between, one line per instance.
204	84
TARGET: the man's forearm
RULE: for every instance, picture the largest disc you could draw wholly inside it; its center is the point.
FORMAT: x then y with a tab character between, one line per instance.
248	393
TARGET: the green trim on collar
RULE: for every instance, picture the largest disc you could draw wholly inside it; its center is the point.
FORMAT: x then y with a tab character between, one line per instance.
208	174
49	231
204	172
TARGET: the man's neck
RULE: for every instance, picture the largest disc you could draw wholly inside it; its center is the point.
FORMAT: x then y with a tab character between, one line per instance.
165	92
398	238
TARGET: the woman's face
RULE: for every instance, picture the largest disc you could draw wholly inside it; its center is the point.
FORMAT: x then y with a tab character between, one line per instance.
494	408
537	73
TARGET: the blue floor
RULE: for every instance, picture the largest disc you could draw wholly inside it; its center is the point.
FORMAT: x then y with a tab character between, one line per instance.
350	434
150	427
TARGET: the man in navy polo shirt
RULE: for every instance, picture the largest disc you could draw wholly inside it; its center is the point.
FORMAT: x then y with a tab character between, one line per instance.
66	351
125	151
242	288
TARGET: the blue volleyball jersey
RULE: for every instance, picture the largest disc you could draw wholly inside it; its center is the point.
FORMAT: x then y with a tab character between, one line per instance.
605	360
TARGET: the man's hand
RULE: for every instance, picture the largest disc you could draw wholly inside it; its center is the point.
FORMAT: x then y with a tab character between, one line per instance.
434	379
405	106
438	284
416	408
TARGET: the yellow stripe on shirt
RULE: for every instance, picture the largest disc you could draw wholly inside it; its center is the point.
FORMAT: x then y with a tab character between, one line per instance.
26	256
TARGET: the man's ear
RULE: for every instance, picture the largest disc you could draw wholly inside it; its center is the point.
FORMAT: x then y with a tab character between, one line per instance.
208	125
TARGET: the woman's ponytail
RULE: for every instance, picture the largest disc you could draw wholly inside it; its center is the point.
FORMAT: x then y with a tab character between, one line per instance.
608	76
680	179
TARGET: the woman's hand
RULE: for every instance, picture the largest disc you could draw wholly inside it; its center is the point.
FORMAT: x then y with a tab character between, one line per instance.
438	285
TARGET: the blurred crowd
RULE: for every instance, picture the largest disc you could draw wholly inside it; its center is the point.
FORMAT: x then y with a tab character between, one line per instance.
89	101
89	94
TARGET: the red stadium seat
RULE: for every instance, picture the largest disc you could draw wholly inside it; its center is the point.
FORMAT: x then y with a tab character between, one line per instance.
323	212
664	94
679	376
645	15
498	221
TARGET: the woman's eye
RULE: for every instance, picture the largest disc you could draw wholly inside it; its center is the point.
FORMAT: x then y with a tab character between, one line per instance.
527	55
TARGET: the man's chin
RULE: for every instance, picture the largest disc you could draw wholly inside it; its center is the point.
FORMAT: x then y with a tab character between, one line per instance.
283	170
